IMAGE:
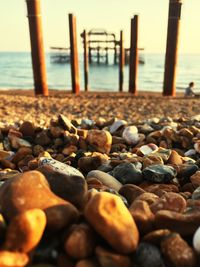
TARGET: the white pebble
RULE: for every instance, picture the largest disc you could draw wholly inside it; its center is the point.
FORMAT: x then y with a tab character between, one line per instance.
196	240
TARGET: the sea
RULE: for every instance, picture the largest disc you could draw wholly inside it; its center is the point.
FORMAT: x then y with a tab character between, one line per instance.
16	73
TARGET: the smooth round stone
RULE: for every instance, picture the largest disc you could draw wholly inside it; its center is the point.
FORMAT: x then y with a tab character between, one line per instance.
13	259
131	192
148	255
130	135
159	173
80	241
105	178
6	154
27	128
64	180
195	178
112	220
196	241
186	170
196	193
100	140
127	173
25	231
116	125
177	252
109	258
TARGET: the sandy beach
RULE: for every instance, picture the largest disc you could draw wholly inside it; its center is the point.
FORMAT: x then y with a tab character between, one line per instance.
17	105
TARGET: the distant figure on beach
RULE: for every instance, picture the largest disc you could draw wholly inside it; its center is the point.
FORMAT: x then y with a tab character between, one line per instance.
189	90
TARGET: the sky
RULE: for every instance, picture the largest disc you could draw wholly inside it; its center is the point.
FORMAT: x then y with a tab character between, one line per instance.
112	15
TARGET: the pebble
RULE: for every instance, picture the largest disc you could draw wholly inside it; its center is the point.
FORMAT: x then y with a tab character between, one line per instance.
196	241
112	220
127	173
159	173
25	231
64	180
100	141
130	135
177	252
117	125
13	259
105	178
148	255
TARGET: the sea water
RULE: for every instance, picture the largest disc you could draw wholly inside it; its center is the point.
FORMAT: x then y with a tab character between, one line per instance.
16	73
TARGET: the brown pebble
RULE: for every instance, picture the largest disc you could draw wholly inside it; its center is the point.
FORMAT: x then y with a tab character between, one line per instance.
25	231
150	198
169	201
80	241
108	258
142	215
131	192
112	220
13	259
177	252
156	236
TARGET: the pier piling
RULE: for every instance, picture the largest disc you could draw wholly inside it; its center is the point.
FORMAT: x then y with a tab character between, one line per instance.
171	55
133	58
85	47
37	47
74	55
121	62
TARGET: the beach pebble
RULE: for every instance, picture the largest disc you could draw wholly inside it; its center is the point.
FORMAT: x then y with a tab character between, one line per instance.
196	193
148	149
130	135
156	236
66	124
105	178
64	180
13	259
116	125
21	154
101	141
197	146
6	154
195	178
25	231
80	241
196	241
185	171
127	173
131	192
84	263
169	201
112	220
159	173
175	158
42	138
148	255
142	215
17	142
16	196
27	129
7	174
108	258
177	252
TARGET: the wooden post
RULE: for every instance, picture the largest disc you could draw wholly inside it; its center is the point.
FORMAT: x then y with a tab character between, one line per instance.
85	59
171	55
74	55
98	55
133	56
90	55
37	47
107	55
121	62
115	54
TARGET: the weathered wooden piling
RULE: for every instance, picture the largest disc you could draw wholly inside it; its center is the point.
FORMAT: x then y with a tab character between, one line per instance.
171	55
121	62
133	57
85	55
37	47
74	55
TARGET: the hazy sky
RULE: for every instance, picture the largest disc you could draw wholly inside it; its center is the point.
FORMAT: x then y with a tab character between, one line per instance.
113	15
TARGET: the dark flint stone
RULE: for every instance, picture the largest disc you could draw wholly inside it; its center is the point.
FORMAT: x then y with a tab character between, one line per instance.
64	180
127	173
148	255
159	173
186	170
